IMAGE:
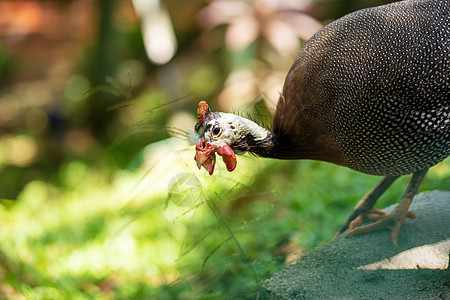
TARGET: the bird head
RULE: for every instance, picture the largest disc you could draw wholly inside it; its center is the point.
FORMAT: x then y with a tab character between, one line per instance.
225	134
216	133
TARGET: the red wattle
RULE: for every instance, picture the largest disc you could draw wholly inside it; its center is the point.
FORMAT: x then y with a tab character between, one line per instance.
225	151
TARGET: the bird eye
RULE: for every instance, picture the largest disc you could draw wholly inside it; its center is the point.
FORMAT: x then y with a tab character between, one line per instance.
216	130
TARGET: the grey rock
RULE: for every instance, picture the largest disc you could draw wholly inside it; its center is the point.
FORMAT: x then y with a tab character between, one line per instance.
369	266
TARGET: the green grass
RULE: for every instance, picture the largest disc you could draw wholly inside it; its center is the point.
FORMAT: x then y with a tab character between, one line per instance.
169	231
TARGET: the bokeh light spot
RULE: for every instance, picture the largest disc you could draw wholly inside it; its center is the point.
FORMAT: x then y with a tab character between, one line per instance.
130	73
76	88
36	120
181	121
21	150
10	107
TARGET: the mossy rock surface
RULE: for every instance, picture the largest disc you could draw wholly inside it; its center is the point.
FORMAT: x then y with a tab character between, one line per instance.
369	266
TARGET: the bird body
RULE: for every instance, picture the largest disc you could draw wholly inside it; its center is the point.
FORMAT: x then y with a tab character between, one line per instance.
369	91
376	83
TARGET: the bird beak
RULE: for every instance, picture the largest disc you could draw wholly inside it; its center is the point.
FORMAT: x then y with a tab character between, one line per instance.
205	156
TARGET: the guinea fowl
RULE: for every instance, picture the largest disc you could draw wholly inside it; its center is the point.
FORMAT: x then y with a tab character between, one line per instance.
369	91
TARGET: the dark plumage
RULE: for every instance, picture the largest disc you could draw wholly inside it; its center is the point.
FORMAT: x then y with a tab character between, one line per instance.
377	82
370	91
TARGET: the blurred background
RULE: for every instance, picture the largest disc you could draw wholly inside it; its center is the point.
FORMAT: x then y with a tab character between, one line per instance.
100	197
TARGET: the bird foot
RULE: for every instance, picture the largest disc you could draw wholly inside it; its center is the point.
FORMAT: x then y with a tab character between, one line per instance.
375	215
383	220
392	221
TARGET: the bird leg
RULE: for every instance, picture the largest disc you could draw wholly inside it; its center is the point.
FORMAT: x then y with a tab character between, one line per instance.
365	205
395	220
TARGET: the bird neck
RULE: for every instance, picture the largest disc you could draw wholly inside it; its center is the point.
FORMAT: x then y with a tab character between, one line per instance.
246	127
265	147
253	137
310	144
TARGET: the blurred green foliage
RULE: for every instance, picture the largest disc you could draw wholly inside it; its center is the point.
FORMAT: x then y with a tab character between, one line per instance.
99	194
